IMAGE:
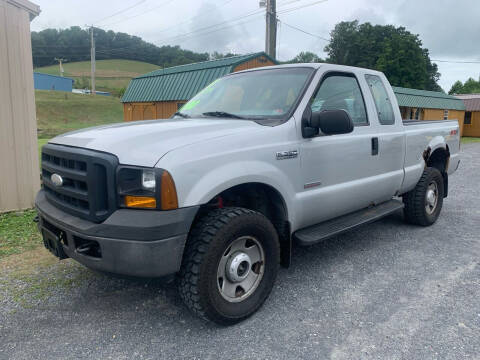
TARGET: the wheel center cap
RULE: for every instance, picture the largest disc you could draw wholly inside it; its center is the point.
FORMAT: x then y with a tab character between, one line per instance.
238	267
431	197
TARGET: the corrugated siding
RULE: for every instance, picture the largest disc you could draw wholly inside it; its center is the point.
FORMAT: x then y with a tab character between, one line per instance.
427	99
178	86
150	110
230	61
437	114
472	104
254	63
19	169
473	129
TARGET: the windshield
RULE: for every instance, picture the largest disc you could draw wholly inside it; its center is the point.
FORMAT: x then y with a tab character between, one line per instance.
257	94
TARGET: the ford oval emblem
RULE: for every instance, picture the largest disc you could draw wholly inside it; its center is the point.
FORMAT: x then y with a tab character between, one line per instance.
57	180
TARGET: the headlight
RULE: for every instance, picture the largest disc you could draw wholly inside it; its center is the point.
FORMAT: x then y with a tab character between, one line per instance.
148	179
146	188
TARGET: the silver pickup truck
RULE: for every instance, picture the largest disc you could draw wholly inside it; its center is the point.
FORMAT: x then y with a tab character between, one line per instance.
257	161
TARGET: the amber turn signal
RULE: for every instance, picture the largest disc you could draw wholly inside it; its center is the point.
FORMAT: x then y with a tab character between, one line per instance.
145	202
169	193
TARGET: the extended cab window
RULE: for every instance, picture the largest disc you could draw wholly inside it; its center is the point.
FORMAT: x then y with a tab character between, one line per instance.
341	92
382	101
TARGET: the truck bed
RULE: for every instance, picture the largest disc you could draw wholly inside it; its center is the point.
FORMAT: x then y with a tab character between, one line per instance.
408	122
428	135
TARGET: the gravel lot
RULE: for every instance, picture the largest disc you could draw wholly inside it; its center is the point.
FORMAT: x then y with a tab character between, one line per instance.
385	291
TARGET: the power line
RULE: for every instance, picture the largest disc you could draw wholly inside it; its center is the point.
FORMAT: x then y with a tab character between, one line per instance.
120	11
457	61
243	16
300	7
196	34
137	15
303	31
194	18
283	3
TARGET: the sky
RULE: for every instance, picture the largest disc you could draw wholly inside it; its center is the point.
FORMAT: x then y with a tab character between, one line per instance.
448	28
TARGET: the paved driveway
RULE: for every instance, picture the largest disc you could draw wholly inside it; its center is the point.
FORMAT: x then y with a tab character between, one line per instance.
385	291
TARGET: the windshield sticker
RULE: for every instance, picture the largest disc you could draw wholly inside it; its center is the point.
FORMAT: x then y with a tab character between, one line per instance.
190	105
209	88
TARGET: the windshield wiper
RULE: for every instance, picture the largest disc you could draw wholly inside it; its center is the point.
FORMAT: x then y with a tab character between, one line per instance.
222	114
182	115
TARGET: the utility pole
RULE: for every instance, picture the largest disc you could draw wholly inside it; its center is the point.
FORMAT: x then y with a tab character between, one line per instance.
271	27
92	59
60	60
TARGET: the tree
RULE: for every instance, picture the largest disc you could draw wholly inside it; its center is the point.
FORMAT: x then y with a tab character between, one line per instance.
457	88
305	57
216	55
394	51
471	86
74	44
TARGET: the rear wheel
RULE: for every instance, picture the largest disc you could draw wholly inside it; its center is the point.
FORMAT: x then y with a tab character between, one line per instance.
424	203
230	265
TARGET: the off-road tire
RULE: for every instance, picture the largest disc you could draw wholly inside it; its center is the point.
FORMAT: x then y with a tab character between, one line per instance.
208	240
415	200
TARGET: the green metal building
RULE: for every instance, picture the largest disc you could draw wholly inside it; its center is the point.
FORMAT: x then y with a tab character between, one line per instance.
160	93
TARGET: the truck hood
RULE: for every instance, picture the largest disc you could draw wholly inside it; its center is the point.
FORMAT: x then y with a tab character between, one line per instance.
144	143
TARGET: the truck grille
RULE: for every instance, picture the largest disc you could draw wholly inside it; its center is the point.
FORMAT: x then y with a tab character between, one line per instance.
88	188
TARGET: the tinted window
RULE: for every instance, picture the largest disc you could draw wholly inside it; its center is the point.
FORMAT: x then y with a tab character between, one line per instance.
341	92
382	101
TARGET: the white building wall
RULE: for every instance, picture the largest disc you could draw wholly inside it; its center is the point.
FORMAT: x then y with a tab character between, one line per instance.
19	168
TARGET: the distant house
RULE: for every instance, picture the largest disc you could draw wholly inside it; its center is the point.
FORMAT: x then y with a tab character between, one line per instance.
471	125
429	105
160	93
51	82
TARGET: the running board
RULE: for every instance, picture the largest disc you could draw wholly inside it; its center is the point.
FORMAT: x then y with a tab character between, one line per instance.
319	232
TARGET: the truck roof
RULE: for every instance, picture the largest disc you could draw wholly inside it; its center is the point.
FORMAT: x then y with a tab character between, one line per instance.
333	67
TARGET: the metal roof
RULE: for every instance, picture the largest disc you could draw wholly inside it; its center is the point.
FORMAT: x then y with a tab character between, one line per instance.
472	104
467	96
184	81
471	101
53	76
427	99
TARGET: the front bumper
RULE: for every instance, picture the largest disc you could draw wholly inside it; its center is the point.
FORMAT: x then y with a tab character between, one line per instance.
142	243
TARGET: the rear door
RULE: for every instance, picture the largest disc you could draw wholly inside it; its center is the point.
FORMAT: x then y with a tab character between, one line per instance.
390	134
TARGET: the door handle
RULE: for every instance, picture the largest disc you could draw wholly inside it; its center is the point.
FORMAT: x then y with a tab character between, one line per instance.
375	146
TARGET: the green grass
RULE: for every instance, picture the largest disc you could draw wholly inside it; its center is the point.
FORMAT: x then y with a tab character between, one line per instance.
468	140
18	232
111	75
59	112
41	142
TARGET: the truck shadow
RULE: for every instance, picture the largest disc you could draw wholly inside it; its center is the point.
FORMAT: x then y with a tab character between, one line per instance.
156	300
364	238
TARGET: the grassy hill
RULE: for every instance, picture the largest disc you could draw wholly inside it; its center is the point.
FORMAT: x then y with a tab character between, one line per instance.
111	75
59	112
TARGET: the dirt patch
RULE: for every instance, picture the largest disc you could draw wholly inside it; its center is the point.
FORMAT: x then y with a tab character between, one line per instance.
27	280
27	262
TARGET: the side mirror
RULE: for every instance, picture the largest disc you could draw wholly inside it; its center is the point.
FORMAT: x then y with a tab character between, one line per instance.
332	122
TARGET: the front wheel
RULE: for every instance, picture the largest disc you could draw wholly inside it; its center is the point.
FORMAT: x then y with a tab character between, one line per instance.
424	203
230	265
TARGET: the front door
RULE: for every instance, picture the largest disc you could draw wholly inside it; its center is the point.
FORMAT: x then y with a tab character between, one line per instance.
340	172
